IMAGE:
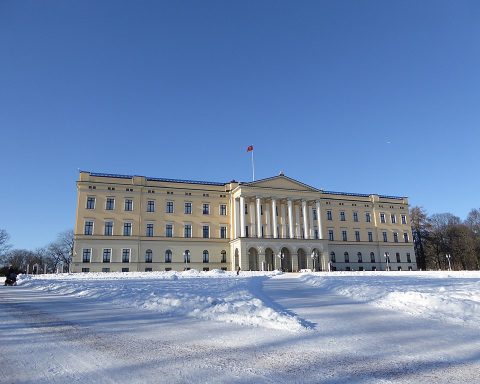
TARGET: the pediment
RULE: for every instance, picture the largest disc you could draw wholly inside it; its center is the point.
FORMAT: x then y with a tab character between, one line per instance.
281	182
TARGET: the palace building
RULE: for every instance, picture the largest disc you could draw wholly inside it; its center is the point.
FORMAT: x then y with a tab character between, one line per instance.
136	223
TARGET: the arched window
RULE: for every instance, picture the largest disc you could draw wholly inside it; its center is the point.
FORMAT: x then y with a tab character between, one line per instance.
224	256
205	256
347	257
332	257
148	256
372	257
168	256
359	255
186	256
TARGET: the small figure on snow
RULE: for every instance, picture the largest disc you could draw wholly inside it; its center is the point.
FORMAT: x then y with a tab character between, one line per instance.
11	277
238	270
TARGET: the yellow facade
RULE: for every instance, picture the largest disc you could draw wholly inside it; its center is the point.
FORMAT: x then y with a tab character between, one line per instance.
136	223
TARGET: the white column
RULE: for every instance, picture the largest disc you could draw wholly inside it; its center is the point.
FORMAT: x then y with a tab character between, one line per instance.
242	216
290	218
306	231
251	214
274	218
283	218
259	218
319	220
268	230
297	221
310	222
234	218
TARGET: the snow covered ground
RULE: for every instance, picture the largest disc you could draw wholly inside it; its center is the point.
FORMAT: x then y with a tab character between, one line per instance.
217	327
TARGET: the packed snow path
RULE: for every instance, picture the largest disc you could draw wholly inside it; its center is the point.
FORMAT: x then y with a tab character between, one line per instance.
59	338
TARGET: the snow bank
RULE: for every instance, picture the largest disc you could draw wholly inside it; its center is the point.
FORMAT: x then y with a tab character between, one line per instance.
451	297
215	295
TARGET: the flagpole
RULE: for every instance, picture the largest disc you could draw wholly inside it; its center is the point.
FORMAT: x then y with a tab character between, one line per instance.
253	168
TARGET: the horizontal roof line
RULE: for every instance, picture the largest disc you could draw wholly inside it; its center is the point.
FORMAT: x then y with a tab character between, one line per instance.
154	179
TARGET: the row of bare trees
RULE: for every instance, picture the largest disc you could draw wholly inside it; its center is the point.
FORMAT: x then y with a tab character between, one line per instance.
443	234
56	256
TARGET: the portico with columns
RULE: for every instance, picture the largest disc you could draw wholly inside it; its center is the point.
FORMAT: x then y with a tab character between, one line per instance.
277	224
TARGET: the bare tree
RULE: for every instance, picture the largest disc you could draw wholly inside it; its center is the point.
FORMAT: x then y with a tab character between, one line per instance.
4	245
420	232
61	250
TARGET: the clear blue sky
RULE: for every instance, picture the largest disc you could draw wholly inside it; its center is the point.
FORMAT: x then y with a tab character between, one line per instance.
358	96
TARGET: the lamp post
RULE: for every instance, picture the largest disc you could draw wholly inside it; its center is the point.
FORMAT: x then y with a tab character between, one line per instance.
281	256
448	256
387	259
314	256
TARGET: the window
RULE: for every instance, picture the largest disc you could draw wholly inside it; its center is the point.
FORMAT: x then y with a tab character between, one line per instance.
206	209
315	232
332	257
205	256
224	257
355	216
372	257
246	209
169	207
246	231
85	269
108	228
223	232
368	218
87	254
125	255
107	254
329	215
148	269
128	205
404	219
397	255
188	230
188	208
348	269
206	232
382	217
370	237
125	269
186	256
395	237
344	235
359	256
88	228
148	256
409	258
105	269
357	235
110	205
149	230
314	212
150	205
384	237
168	256
330	234
90	202
347	257
342	216
223	209
393	218
127	229
405	237
169	230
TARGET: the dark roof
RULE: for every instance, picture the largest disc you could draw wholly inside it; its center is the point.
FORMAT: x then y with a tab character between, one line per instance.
155	179
165	180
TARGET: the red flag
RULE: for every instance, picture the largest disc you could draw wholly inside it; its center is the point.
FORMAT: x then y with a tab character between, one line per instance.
250	148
